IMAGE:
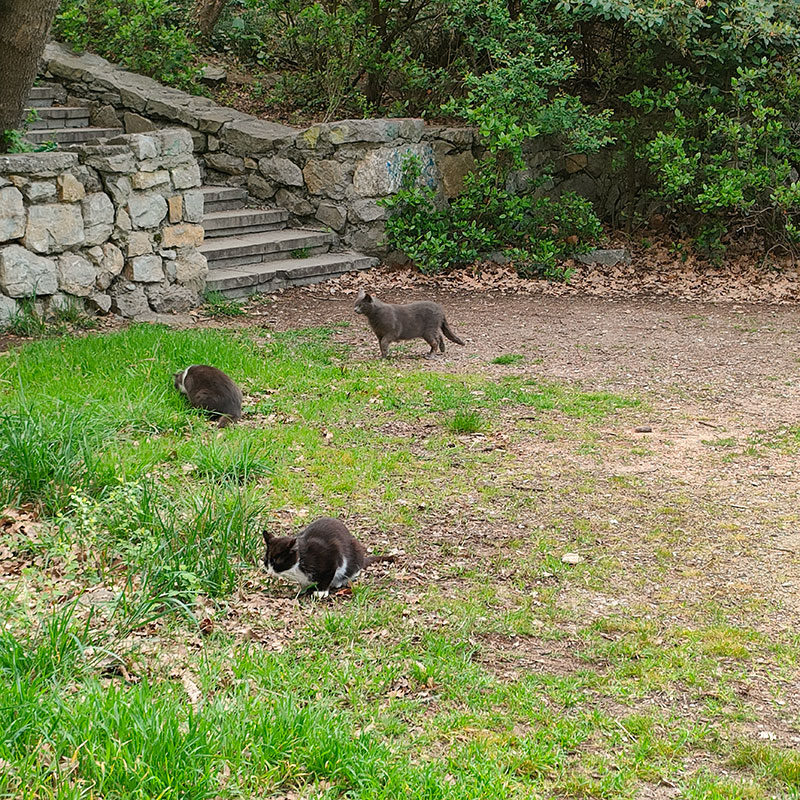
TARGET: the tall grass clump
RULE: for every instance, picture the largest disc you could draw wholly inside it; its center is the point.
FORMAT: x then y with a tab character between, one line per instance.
46	456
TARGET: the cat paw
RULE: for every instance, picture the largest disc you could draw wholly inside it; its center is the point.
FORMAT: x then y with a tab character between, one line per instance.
321	595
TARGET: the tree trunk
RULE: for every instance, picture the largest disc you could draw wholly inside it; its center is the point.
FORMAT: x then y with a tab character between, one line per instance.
24	27
207	14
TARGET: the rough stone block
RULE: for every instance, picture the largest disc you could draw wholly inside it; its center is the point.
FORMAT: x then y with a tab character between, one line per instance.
76	274
70	189
171	298
129	300
38	165
260	188
368	130
222	162
23	274
174	141
254	137
99	302
147	210
89	178
334	217
326	178
281	171
109	262
454	169
122	222
606	258
143	147
8	309
186	176
98	217
36	192
175	206
193	203
145	269
293	203
105	116
371	240
380	172
12	214
134	123
119	187
147	180
185	235
191	270
139	244
109	157
53	227
366	211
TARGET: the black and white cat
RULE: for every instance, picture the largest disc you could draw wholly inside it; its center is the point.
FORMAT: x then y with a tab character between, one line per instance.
211	389
323	555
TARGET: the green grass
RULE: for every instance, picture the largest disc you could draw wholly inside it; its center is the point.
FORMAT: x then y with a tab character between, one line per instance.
143	653
466	421
509	358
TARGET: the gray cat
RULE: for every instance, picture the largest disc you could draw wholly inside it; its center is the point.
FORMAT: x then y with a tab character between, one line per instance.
395	323
211	389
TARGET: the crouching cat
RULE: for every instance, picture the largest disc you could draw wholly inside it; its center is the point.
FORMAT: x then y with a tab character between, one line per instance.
211	389
323	555
394	323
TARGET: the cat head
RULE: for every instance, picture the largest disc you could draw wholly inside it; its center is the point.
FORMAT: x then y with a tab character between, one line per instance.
281	553
363	302
178	379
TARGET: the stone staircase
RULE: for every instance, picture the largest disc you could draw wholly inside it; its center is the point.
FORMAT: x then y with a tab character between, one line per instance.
59	123
249	249
252	250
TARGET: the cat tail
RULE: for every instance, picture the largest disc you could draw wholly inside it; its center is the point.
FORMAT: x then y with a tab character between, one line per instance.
372	559
449	334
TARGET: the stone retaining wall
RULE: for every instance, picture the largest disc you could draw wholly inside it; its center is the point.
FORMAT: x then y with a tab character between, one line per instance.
329	175
109	227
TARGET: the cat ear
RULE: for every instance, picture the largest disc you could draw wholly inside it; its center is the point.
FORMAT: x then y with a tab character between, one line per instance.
268	537
360	294
368	298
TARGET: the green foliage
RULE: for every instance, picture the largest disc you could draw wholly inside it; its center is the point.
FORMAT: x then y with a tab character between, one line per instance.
144	35
532	232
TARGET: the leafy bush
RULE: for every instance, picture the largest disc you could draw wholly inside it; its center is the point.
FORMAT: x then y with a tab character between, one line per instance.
144	35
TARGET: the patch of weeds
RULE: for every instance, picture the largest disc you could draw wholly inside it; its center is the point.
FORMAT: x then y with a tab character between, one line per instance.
768	762
45	456
300	252
466	421
509	358
218	305
239	463
725	442
26	320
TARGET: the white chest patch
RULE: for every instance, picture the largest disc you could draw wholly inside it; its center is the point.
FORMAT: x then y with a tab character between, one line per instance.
340	576
295	575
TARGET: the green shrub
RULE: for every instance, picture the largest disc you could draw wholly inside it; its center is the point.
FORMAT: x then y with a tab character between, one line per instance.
143	35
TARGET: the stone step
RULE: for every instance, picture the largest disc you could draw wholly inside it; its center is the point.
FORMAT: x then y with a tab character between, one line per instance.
233	251
223	198
46	95
243	221
60	117
71	135
273	275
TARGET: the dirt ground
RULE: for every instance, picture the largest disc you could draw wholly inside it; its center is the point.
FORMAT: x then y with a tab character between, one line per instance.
718	384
